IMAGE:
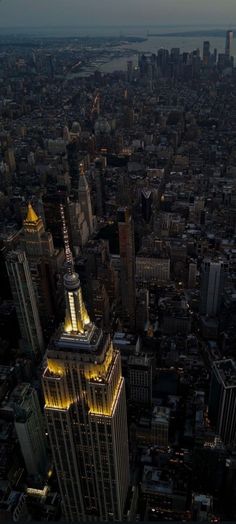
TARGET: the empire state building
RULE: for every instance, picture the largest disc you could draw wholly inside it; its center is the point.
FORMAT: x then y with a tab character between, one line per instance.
85	409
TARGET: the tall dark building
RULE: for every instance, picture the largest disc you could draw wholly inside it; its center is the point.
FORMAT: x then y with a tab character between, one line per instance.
25	303
228	43
212	285
127	264
206	52
222	400
146	200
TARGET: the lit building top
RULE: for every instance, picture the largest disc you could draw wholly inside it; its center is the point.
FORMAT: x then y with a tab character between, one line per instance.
31	217
78	329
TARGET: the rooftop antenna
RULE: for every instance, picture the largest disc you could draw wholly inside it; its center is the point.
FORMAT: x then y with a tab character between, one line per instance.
68	254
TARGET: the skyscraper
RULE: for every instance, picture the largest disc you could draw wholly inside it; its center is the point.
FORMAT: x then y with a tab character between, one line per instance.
146	201
85	409
127	264
211	286
30	428
84	198
25	303
206	52
228	43
222	400
45	263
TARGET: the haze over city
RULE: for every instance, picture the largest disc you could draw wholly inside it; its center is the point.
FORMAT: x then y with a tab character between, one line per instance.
105	12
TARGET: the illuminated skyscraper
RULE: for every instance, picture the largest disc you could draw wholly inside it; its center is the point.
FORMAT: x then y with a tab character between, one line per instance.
127	264
85	409
45	263
25	303
228	43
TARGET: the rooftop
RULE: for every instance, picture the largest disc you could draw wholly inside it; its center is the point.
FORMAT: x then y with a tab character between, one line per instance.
226	371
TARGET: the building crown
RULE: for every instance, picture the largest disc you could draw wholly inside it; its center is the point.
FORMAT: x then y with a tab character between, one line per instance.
31	215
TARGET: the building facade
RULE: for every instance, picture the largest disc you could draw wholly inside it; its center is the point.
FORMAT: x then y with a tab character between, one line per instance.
222	400
127	264
30	429
211	287
25	303
45	263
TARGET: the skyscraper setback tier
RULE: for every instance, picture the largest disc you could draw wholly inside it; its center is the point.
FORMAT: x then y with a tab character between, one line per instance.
85	409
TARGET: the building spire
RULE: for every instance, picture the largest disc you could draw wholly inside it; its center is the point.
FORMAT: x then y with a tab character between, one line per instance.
68	254
31	215
76	318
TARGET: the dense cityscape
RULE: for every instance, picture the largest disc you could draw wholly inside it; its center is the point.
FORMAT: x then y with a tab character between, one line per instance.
117	282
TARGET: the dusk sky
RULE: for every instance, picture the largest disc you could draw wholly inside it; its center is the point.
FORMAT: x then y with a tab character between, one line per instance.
121	12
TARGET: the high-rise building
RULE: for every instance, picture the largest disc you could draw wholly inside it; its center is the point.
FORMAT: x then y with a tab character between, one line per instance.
129	70
30	428
127	264
206	53
228	43
78	226
211	286
146	201
85	408
45	263
140	379
160	426
222	400
84	198
25	303
142	309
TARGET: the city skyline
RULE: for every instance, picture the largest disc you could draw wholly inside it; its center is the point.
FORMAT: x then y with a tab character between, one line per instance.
118	270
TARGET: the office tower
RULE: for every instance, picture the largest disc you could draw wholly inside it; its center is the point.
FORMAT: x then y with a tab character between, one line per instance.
73	157
206	53
99	266
140	378
45	263
192	274
202	507
84	198
49	65
85	409
25	303
222	400
160	426
127	264
30	428
215	56
10	159
211	286
142	309
79	230
129	70
146	202
228	43
100	305
99	187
